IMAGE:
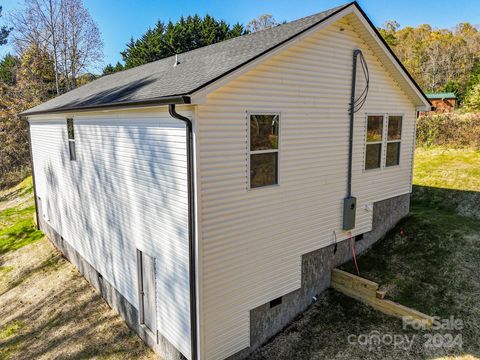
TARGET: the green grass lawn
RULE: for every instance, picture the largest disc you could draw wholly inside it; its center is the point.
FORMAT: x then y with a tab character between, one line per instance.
447	168
17	227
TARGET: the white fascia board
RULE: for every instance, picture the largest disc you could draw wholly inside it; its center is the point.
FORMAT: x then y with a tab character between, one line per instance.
120	112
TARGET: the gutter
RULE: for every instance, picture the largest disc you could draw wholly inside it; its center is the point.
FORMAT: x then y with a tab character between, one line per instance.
191	229
165	100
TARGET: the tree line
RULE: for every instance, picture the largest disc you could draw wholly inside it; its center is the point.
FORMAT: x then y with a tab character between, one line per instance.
440	60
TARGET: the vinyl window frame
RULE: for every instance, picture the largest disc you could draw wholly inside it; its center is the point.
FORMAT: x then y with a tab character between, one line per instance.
250	152
71	140
387	121
384	142
366	143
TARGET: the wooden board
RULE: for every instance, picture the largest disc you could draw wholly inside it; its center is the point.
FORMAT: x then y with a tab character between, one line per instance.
367	292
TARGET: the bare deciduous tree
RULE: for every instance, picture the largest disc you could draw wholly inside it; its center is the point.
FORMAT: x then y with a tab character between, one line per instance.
66	29
262	22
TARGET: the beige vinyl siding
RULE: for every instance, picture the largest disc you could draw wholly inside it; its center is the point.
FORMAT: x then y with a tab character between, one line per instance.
127	190
252	240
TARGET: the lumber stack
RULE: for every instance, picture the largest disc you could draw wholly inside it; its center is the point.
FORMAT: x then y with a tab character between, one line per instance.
369	293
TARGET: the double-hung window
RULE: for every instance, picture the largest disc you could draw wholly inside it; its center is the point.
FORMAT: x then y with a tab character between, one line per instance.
384	136
71	140
373	150
394	137
263	150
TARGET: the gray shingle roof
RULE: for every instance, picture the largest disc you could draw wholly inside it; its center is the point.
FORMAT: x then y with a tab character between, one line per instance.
158	80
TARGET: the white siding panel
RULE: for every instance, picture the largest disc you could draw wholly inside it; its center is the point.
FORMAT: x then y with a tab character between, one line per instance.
253	240
127	190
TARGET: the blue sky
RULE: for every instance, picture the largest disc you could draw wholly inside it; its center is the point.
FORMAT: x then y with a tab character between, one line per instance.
119	20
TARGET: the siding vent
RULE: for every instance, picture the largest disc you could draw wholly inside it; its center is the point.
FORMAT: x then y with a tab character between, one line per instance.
359	237
275	302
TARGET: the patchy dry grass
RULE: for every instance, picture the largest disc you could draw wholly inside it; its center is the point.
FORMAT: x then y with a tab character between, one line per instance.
47	309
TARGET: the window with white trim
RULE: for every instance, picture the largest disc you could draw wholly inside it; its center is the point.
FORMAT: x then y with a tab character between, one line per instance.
71	140
394	138
264	149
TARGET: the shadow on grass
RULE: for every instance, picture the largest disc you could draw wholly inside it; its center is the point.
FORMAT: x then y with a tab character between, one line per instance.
53	262
21	189
462	202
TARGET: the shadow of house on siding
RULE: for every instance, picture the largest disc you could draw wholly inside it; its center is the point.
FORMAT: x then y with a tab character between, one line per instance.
100	203
171	267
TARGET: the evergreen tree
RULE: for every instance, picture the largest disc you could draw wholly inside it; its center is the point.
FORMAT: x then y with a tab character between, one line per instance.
110	69
4	31
8	69
167	39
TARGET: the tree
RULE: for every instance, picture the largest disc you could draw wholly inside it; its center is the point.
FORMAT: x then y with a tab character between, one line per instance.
388	32
110	69
438	59
4	31
472	100
167	39
66	30
8	69
81	43
262	22
34	83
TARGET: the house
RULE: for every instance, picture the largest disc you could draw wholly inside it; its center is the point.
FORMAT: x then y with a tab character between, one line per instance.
443	102
207	196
